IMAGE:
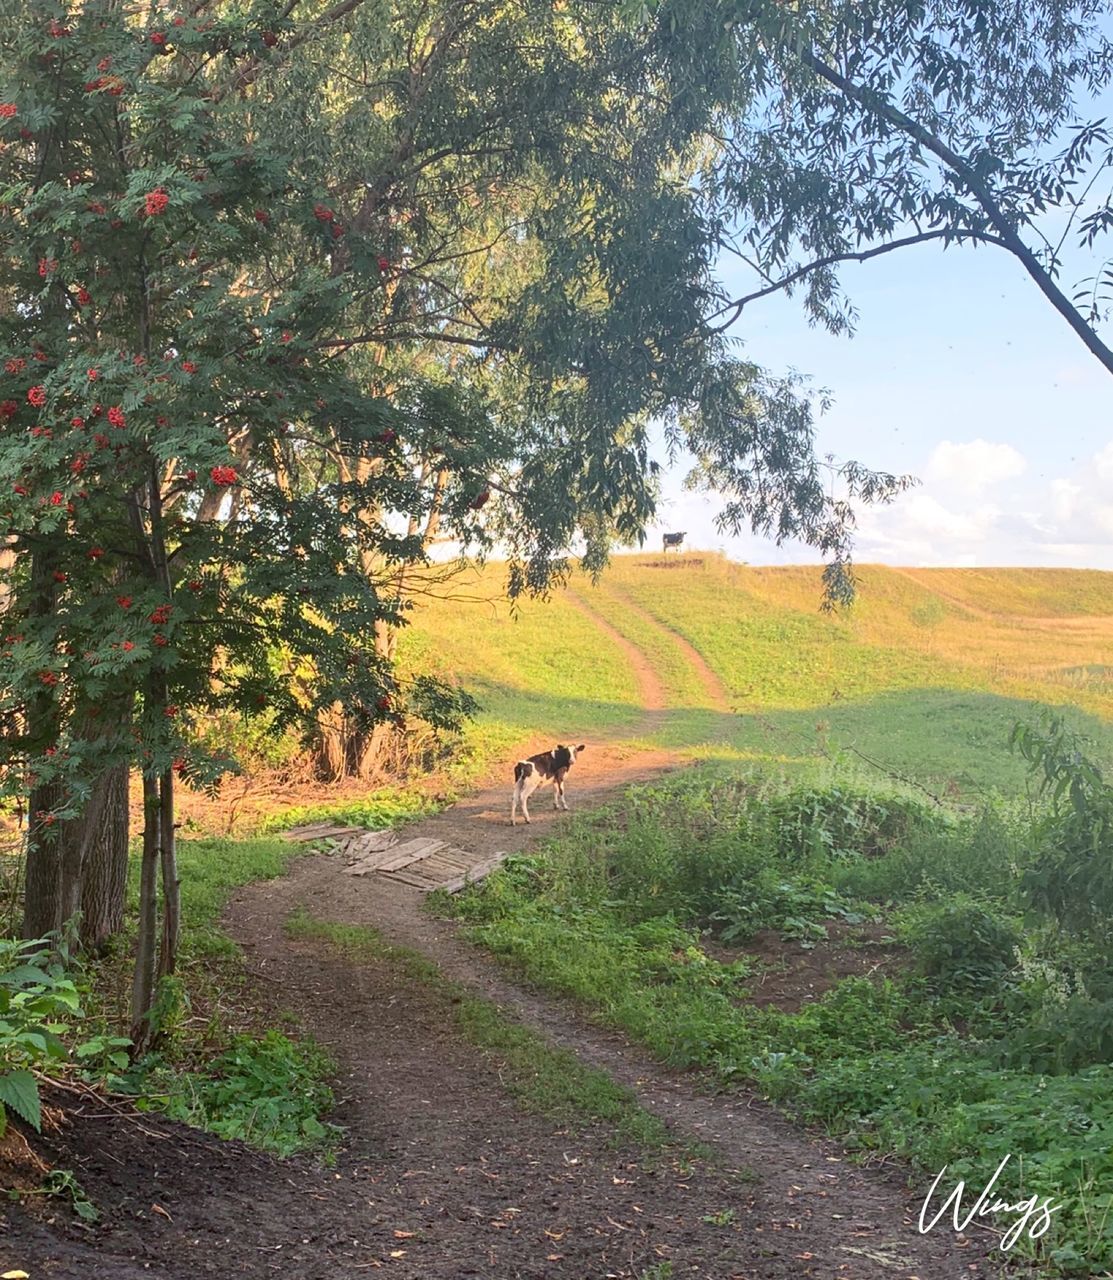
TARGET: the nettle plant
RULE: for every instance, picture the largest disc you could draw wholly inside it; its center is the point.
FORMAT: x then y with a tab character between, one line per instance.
184	454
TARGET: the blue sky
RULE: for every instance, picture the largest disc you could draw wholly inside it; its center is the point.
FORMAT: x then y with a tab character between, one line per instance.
962	374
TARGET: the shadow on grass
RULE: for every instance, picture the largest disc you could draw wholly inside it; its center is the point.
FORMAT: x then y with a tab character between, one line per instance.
954	741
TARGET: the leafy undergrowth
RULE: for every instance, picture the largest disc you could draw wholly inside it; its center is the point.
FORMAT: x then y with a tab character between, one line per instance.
269	1091
996	1039
387	807
543	1079
221	1063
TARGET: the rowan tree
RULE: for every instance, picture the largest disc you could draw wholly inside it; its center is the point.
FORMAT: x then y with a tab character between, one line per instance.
157	376
292	292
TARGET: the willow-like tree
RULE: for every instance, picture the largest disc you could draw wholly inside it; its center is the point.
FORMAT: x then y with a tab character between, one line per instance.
866	130
289	293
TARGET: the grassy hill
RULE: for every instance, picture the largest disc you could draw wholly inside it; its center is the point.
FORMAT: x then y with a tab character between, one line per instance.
924	677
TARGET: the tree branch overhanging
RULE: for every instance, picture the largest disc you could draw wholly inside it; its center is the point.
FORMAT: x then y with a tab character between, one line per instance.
978	188
786	282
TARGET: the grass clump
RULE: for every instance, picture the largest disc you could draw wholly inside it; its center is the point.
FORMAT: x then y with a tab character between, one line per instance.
386	807
269	1091
219	1066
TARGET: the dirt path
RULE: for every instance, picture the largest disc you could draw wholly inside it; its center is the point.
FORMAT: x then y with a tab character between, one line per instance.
718	698
443	1176
651	689
809	1213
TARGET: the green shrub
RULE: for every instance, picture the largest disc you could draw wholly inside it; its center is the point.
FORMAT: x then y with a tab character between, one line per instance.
37	999
840	823
961	945
251	741
798	908
976	855
1071	877
1062	1037
269	1092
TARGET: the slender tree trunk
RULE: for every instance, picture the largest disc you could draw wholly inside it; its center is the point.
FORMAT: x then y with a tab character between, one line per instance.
143	980
104	883
331	752
78	837
366	750
42	892
171	896
42	905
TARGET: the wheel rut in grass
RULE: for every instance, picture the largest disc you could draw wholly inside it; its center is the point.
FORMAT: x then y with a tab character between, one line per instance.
652	696
714	691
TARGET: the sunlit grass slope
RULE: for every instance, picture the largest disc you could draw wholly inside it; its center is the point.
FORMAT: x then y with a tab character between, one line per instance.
925	676
539	670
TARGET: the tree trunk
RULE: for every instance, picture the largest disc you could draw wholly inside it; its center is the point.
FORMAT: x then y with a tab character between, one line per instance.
171	895
143	980
42	894
42	906
104	883
345	751
78	837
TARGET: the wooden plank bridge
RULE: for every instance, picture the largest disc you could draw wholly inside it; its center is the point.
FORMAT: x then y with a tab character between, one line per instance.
420	863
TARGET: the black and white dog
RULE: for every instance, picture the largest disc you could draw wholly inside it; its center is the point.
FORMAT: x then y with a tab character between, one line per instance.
539	771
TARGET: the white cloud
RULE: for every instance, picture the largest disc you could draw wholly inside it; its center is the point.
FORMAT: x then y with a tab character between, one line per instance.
981	503
974	466
1064	498
1067	520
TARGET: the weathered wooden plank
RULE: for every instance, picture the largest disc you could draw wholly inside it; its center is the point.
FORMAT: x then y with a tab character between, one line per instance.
411	878
411	851
460	855
371	842
479	872
299	833
442	870
370	862
453	858
318	830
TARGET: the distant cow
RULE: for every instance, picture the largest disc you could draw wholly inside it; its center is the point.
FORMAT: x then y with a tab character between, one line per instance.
539	771
672	540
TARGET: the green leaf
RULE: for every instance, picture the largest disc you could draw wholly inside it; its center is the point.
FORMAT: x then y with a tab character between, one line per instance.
23	975
85	1209
19	1090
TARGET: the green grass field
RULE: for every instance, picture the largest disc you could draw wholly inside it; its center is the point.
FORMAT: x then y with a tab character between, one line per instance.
924	677
977	987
